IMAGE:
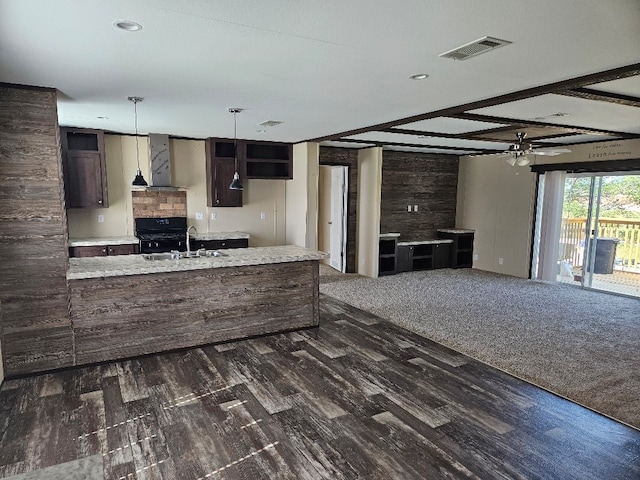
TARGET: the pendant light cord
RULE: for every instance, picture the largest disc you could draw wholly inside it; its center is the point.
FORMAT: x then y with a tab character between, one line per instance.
135	115
235	139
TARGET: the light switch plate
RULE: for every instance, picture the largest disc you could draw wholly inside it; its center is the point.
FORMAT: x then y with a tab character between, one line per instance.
100	218
263	215
214	215
199	216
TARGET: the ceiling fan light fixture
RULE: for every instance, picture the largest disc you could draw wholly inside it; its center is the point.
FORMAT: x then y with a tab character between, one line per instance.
523	161
511	161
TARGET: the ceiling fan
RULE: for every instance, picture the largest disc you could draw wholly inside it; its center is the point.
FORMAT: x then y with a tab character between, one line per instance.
518	151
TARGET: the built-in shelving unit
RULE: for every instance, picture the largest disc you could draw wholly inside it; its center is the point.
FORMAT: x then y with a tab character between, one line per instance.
387	253
269	160
425	255
461	255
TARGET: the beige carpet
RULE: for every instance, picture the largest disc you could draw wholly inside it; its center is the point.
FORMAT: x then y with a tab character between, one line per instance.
580	344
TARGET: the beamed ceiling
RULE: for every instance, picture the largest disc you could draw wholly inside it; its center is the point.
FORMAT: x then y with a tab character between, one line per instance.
337	72
489	126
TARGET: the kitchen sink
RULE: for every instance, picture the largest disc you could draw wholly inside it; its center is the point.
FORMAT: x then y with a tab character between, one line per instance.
202	253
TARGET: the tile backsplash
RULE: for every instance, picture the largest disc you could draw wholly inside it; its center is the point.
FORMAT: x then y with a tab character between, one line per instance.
159	203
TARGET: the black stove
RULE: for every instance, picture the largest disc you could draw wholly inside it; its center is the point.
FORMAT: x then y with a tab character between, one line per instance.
162	234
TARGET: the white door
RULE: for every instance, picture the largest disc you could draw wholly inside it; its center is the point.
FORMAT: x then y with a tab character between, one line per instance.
338	218
332	214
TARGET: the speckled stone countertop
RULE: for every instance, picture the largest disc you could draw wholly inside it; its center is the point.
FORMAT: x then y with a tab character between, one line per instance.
120	265
220	236
100	241
455	230
426	242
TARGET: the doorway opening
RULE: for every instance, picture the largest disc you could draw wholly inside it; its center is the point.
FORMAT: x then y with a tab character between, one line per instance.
332	214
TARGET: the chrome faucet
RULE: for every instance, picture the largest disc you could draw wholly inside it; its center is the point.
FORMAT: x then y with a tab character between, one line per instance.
188	246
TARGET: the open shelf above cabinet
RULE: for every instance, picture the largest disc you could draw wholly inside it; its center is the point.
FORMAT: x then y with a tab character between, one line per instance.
269	160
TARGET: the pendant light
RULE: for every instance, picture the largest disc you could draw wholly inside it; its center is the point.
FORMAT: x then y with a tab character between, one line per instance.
139	181
235	183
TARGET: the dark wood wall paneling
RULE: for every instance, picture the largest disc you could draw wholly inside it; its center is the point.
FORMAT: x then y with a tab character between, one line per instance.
34	300
429	181
346	156
112	320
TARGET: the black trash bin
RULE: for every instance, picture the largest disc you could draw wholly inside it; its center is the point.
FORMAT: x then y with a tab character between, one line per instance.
605	255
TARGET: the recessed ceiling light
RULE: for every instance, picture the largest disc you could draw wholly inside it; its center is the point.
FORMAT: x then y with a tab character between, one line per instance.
419	76
127	25
102	118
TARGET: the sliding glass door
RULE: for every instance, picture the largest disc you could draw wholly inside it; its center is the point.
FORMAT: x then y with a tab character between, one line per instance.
599	241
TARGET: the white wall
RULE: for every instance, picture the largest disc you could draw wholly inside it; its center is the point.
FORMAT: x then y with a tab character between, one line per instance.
368	221
497	201
301	197
188	171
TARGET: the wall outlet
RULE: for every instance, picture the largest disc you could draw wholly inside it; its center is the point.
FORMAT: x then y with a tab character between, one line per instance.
263	215
408	208
475	257
214	215
500	261
415	208
199	216
100	218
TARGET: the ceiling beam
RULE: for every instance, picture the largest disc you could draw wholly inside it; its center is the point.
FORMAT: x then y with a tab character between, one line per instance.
604	76
419	145
600	96
516	121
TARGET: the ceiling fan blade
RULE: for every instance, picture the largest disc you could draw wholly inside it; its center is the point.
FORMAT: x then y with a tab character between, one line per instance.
551	153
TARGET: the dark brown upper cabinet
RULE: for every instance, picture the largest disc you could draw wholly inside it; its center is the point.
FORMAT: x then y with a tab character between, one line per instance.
220	157
85	171
269	160
256	160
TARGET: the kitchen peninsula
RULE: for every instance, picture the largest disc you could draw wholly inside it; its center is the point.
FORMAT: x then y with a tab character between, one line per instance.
125	306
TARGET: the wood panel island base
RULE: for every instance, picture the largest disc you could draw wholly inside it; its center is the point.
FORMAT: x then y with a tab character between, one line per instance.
128	306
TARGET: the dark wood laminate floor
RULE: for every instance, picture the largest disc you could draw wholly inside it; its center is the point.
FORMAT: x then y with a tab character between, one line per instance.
356	398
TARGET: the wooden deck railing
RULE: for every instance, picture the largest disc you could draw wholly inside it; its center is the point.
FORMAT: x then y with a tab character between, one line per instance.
572	241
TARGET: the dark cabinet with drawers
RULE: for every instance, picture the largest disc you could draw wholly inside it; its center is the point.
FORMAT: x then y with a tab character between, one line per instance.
220	244
103	250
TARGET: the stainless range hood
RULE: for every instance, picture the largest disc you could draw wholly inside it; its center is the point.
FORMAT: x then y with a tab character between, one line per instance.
160	157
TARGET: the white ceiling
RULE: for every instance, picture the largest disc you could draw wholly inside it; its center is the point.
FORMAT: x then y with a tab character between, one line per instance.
320	67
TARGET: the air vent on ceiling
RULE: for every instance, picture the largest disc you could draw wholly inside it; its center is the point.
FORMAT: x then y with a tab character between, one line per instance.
474	48
269	123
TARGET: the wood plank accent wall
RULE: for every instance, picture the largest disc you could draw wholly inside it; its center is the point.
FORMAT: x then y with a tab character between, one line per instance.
35	324
429	181
118	317
346	156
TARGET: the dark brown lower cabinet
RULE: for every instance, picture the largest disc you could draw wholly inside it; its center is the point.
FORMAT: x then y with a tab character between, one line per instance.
220	244
422	256
103	250
461	253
